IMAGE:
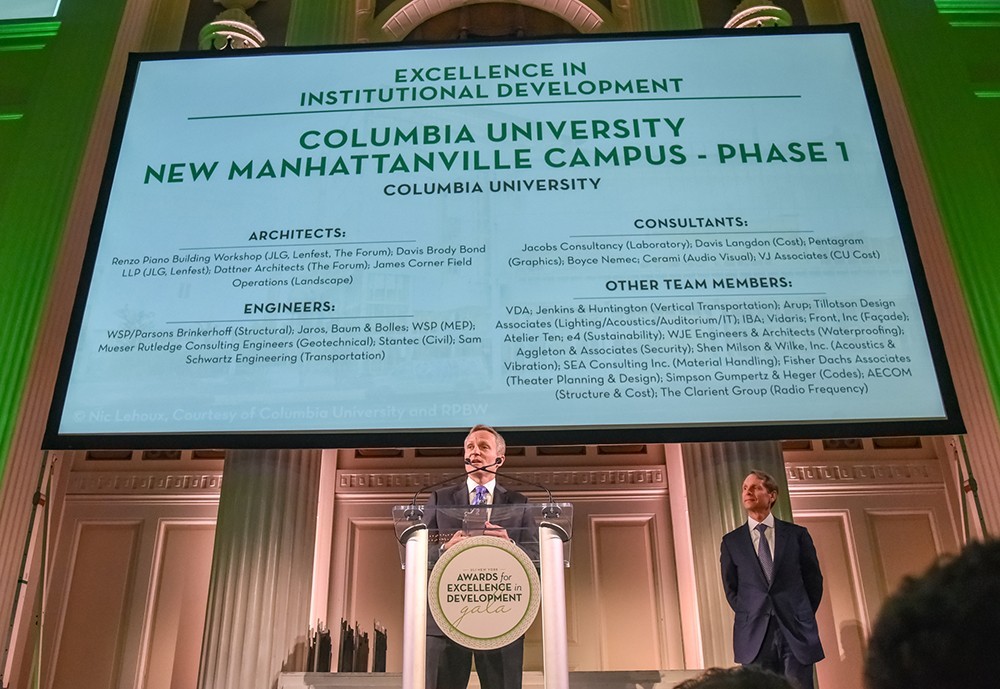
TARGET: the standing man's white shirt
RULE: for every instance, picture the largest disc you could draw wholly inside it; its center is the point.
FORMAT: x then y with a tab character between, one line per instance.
755	534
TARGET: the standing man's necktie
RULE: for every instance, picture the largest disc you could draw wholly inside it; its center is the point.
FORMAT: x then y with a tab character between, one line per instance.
764	553
481	495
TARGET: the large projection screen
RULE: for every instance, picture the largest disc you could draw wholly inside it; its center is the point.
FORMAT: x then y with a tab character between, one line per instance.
667	237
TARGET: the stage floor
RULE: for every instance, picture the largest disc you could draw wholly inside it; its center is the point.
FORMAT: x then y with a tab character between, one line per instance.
632	679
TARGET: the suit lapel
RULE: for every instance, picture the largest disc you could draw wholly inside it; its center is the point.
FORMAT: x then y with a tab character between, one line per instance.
780	542
462	494
499	494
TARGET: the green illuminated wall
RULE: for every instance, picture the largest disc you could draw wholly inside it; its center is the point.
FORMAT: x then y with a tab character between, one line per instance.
51	74
946	55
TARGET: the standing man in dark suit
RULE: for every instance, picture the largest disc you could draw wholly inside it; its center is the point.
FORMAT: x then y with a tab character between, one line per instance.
773	583
449	664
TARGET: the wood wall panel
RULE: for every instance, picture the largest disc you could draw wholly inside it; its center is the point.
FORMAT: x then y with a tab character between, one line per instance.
905	543
626	574
179	595
374	589
841	616
97	601
143	563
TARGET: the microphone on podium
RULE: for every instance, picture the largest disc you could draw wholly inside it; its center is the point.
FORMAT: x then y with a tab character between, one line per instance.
495	462
551	510
415	511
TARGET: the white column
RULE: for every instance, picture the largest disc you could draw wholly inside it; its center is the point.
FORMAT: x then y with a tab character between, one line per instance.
554	643
415	611
259	595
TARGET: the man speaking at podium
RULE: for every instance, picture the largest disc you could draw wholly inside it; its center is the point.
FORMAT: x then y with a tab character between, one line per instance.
449	665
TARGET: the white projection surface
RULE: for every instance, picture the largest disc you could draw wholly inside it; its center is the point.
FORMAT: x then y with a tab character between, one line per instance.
672	237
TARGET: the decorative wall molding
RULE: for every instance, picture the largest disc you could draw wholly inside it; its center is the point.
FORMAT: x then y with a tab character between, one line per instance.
406	17
31	34
754	15
974	9
832	473
603	478
862	474
802	475
145	483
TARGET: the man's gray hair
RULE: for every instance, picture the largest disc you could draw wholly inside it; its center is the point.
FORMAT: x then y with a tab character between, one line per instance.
501	443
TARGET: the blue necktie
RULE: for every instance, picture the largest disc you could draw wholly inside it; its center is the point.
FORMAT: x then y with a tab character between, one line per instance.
480	496
764	553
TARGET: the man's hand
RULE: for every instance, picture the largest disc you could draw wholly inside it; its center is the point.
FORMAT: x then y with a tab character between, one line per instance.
498	531
456	538
490	529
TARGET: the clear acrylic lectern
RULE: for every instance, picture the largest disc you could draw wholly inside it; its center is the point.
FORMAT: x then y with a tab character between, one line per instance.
541	530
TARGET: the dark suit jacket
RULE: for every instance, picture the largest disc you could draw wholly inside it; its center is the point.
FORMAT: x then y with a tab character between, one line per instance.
792	598
517	522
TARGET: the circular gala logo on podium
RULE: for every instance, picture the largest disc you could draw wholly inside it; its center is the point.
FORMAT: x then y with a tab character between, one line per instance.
484	592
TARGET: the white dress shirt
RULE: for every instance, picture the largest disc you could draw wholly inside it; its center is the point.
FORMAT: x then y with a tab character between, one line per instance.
769	533
490	487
